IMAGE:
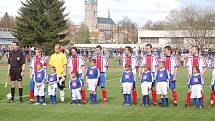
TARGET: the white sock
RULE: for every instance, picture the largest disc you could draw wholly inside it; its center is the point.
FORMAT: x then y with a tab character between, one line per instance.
62	95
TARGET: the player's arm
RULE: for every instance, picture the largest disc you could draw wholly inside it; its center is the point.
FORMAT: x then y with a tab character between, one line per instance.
23	64
204	67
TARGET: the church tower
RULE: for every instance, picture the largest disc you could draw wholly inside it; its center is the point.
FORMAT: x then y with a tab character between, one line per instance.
91	14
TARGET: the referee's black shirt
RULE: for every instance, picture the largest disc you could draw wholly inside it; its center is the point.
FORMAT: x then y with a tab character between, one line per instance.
16	58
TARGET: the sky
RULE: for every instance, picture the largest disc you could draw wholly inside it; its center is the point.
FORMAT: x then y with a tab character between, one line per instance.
139	11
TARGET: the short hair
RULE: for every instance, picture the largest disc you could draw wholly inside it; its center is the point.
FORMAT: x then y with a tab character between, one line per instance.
128	66
15	42
53	67
75	48
93	60
196	48
129	48
168	48
196	68
76	73
150	45
39	49
58	45
163	63
146	65
99	46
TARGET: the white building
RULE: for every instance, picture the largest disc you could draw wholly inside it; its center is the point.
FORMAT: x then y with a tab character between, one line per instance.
174	38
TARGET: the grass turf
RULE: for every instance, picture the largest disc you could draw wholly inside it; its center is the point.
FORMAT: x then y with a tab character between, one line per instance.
113	111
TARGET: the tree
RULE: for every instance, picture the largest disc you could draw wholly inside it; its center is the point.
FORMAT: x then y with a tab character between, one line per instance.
129	29
39	22
7	21
196	23
83	35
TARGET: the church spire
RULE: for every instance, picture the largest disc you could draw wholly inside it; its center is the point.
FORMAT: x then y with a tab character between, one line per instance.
109	13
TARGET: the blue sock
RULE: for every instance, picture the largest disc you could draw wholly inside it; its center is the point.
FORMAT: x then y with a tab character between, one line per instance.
162	100
143	99
148	99
54	100
51	98
79	101
91	98
124	95
74	101
126	101
38	99
167	101
200	101
129	98
95	98
194	101
44	99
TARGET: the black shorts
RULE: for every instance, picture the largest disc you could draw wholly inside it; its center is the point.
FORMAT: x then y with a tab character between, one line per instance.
62	86
15	74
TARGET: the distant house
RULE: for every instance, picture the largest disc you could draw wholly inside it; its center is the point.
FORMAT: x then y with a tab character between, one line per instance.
6	38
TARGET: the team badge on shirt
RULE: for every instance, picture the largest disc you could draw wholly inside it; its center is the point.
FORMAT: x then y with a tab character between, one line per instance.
74	83
195	79
127	76
161	74
39	75
52	79
144	77
91	72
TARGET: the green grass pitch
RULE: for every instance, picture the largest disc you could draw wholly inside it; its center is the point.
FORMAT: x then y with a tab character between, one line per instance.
113	111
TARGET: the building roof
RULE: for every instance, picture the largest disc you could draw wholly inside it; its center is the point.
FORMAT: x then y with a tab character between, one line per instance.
6	38
101	20
6	34
170	33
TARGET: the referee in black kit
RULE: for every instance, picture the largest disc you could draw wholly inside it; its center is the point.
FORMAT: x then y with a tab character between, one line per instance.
16	66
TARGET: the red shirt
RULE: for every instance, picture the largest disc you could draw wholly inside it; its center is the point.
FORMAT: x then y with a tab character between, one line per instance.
99	63
195	61
168	63
149	61
128	60
75	64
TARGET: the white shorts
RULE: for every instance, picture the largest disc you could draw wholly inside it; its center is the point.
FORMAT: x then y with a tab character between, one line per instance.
92	84
39	91
146	87
76	94
127	87
52	89
196	91
162	88
213	75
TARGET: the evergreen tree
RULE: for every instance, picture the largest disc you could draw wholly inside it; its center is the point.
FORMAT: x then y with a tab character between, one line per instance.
39	22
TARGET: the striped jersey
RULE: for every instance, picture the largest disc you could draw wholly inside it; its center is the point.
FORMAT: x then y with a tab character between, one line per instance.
101	63
131	60
171	63
75	64
193	61
151	60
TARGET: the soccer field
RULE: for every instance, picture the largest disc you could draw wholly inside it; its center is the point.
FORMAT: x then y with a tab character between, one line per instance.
113	111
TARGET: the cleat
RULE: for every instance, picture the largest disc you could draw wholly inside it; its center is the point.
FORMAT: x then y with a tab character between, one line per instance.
37	104
44	104
11	101
21	100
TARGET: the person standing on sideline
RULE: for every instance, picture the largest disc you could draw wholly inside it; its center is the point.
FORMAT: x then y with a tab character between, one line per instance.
76	64
16	68
102	64
36	60
152	61
59	61
195	60
131	60
172	65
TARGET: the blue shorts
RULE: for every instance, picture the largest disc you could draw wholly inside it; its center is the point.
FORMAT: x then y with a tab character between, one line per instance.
82	79
172	84
101	81
32	84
